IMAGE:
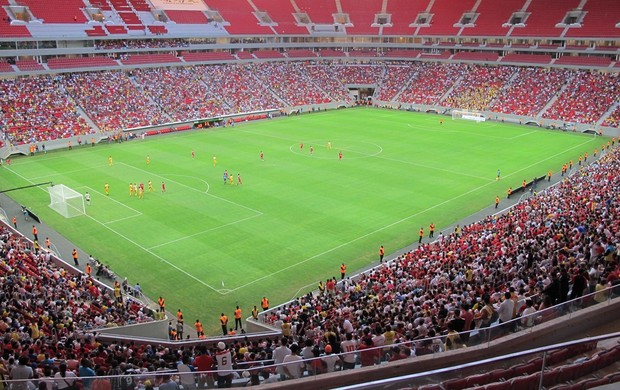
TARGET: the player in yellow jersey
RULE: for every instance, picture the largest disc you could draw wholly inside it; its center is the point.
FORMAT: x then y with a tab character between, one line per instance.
140	192
110	161
148	159
214	161
106	189
130	189
329	146
150	186
231	179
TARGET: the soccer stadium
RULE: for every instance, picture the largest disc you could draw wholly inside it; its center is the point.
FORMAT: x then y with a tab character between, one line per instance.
309	194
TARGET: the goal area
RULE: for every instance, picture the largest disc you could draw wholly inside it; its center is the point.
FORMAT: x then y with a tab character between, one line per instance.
468	115
65	201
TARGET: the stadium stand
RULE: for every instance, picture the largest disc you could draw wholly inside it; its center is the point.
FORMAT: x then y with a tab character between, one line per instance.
430	83
585	100
187	17
240	16
403	53
584	61
207	56
478	87
402	14
446	15
543	18
300	53
362	15
63	11
599	21
394	79
281	12
319	13
28	65
114	94
491	18
5	67
476	56
151	59
414	294
81	62
539	59
542	85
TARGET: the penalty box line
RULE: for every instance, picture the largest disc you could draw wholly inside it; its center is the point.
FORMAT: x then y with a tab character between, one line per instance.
136	212
162	259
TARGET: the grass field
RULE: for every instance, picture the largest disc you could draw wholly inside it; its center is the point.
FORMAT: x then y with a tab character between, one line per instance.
207	246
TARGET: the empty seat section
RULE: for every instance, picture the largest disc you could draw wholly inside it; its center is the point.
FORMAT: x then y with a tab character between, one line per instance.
527	58
82	62
403	13
263	54
492	16
8	31
319	12
28	65
583	61
300	53
5	67
444	55
362	15
281	12
362	53
187	17
62	11
331	53
600	20
402	53
240	16
96	31
150	59
113	29
544	15
208	56
158	29
245	55
140	5
445	14
476	56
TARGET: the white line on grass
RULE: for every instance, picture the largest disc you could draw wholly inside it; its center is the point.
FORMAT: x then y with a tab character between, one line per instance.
204	231
435	168
65	173
194	189
137	213
392	224
162	259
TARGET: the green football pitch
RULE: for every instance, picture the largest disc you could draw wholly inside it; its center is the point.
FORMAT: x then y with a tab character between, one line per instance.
206	245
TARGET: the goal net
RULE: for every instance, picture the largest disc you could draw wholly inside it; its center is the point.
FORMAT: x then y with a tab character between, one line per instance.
468	115
65	201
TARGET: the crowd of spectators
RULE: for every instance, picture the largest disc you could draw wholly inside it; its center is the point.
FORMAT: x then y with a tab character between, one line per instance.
112	100
37	110
478	87
180	92
542	85
431	82
358	74
325	78
587	97
613	120
290	81
43	108
43	303
394	80
115	44
555	246
238	87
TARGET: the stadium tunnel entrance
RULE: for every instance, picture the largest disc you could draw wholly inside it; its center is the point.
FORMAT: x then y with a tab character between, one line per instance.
362	92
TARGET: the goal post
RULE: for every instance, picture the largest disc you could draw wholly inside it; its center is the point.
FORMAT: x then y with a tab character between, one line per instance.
65	201
468	115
